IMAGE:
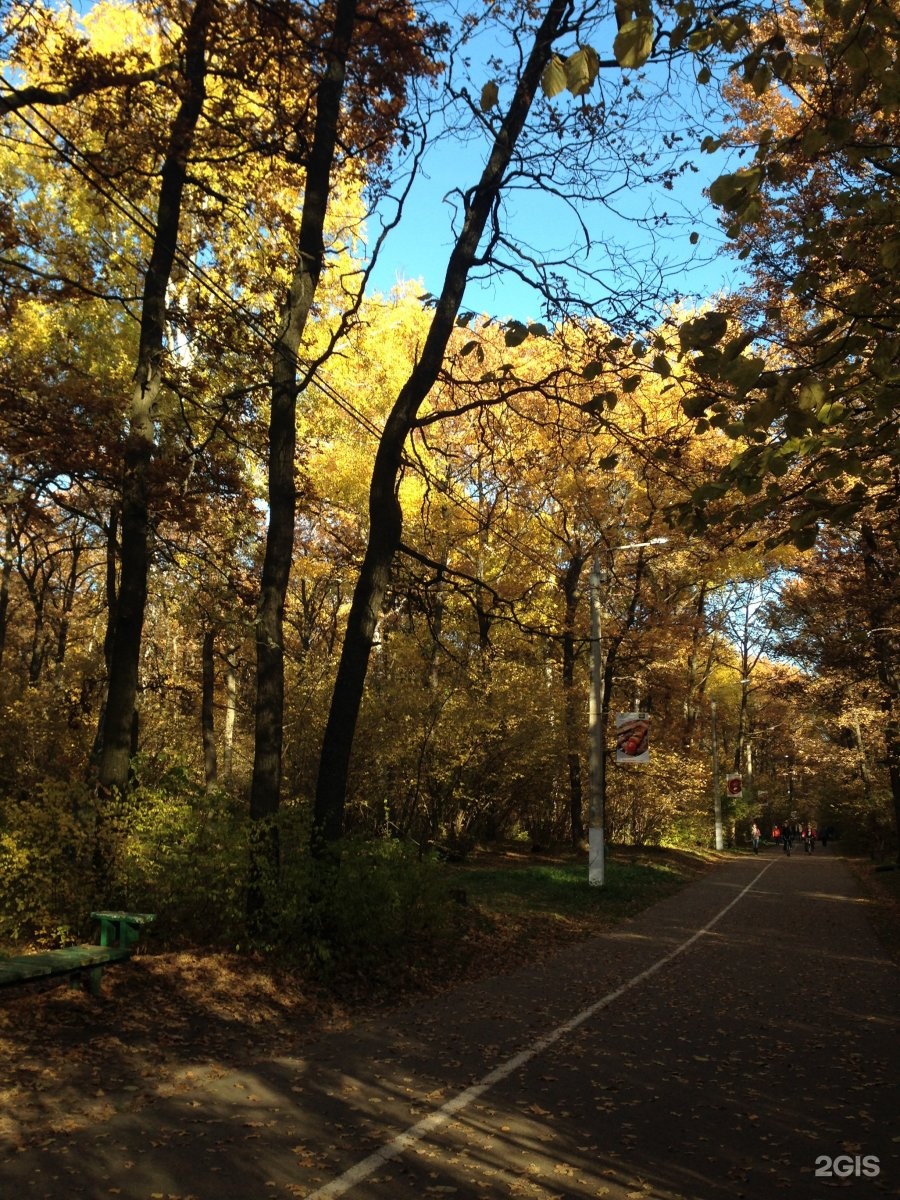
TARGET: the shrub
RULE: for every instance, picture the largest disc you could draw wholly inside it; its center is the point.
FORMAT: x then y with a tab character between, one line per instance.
378	912
46	849
184	857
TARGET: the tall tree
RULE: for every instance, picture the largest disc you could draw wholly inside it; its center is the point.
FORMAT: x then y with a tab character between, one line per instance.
350	57
267	763
816	216
116	735
839	618
385	514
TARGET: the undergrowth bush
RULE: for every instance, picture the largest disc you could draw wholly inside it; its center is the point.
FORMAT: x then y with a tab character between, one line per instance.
181	851
46	848
378	914
184	857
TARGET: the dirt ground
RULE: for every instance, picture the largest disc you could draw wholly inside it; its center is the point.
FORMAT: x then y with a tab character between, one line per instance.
166	1018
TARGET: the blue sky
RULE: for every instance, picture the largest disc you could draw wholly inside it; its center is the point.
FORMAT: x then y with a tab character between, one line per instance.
418	249
420	246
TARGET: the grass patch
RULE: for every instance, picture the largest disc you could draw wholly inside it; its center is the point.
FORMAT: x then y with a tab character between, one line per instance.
521	906
561	889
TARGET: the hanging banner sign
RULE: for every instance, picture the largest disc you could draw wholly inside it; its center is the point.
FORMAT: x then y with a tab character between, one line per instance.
734	785
632	737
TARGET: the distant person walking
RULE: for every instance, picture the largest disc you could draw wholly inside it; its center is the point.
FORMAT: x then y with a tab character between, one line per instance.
755	836
776	833
787	839
809	838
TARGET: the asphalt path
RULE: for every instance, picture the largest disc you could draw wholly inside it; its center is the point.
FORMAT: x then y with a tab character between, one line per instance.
736	1040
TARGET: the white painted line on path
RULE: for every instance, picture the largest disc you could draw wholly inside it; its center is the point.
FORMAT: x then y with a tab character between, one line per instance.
418	1132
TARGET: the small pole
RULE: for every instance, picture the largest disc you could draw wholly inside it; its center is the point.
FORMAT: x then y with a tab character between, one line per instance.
596	705
717	791
597	757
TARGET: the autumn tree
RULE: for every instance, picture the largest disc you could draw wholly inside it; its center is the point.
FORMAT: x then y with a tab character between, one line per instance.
804	375
839	619
802	370
398	46
480	240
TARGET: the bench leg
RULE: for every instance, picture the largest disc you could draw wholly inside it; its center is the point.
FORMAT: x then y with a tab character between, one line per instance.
92	980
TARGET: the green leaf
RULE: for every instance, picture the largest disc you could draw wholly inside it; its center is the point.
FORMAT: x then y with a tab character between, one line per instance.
581	70
814	139
634	43
783	65
730	31
749	485
553	80
710	491
806	516
515	334
703	331
831	413
468	348
811	396
696	406
489	96
631	384
662	366
731	192
843	513
742	372
592	370
762	78
538	329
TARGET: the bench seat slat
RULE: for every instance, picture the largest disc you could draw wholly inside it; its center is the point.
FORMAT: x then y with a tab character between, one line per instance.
58	962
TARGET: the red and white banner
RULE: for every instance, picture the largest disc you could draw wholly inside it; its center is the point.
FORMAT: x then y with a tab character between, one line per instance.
632	737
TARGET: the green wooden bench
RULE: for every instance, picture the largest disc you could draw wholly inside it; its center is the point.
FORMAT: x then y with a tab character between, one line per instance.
119	933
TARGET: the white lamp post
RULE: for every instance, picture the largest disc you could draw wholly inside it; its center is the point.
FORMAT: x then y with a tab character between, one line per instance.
717	787
596	705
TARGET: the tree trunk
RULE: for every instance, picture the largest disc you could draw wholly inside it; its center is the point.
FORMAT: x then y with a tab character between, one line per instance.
572	704
265	789
6	565
385	516
70	588
207	707
881	581
38	642
862	759
230	711
112	592
696	679
116	736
